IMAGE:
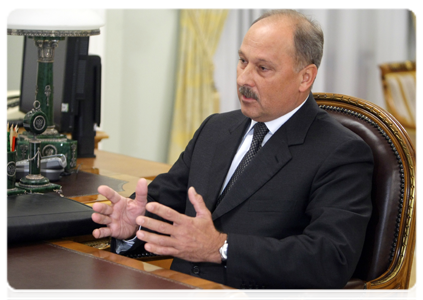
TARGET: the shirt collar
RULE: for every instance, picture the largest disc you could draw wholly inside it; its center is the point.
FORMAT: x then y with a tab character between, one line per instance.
275	124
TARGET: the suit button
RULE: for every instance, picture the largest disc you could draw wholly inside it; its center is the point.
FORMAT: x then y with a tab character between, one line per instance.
195	270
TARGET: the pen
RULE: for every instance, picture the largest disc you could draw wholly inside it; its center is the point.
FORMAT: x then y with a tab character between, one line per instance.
13	143
15	135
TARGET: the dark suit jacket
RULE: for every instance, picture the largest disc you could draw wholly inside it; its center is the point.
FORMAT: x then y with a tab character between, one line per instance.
296	217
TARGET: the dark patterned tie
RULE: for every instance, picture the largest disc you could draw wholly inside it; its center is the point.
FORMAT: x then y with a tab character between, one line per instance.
260	130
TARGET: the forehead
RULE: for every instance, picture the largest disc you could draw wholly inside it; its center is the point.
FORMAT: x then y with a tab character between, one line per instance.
274	37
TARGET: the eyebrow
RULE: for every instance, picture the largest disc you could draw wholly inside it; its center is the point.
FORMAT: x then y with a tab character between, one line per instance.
240	53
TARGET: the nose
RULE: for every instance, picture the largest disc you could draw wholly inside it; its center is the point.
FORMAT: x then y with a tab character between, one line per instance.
245	76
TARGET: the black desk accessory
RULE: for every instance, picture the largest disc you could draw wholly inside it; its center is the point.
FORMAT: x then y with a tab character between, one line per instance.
39	217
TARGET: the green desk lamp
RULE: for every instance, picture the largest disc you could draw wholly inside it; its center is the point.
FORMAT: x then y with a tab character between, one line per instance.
47	28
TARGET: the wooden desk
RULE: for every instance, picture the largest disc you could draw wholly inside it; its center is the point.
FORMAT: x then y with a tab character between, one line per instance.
120	167
70	265
112	164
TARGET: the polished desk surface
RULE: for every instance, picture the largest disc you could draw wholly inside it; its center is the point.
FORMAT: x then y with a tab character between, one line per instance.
120	167
129	169
115	165
65	264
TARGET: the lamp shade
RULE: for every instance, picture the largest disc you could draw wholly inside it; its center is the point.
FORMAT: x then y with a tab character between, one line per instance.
55	22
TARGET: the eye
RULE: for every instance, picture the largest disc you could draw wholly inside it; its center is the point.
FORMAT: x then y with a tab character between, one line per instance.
241	60
263	68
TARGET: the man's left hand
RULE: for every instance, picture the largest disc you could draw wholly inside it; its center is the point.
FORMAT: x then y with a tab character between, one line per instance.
193	239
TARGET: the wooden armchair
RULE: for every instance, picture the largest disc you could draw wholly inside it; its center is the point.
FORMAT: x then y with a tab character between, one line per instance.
387	257
399	90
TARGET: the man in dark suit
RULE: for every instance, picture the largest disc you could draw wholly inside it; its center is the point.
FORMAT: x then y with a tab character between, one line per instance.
296	216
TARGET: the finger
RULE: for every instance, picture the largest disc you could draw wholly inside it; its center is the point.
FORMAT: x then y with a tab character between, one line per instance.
159	250
101	219
165	212
109	193
141	191
102	232
198	202
155	225
102	208
156	239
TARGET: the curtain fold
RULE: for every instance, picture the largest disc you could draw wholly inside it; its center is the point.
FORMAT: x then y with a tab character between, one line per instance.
196	96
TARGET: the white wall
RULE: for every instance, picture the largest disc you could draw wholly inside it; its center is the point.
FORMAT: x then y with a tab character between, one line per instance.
139	64
14	61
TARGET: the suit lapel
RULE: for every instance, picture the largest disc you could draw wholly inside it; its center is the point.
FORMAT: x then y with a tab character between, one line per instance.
270	159
222	159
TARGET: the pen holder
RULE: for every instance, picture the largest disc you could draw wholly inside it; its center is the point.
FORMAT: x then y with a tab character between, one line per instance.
11	169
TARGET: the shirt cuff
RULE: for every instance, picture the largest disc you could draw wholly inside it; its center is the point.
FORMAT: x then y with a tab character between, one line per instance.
124	245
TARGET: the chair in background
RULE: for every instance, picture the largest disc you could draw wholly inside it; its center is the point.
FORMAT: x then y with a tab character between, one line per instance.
387	257
399	89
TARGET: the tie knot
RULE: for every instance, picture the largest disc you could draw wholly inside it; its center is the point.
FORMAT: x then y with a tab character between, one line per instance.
260	130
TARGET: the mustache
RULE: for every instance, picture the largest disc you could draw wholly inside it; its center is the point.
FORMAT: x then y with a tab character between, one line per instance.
247	92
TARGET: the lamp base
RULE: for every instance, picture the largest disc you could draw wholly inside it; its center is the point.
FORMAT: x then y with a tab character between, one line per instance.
37	184
15	191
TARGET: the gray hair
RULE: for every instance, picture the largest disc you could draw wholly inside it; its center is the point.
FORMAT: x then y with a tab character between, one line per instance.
308	37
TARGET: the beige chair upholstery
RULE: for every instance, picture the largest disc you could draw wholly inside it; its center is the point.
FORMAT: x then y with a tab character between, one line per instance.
399	89
387	257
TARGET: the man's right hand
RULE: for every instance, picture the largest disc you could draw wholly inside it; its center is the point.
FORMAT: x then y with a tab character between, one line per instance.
120	216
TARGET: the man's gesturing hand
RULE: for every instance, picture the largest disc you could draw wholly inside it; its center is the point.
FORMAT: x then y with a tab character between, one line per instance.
120	216
193	239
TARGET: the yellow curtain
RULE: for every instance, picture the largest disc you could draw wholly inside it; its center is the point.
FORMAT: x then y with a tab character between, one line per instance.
415	12
196	96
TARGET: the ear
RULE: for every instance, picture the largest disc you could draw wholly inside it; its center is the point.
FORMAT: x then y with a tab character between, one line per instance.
308	75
